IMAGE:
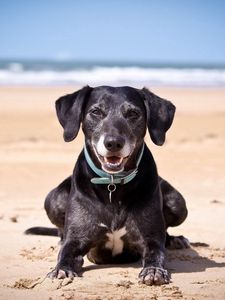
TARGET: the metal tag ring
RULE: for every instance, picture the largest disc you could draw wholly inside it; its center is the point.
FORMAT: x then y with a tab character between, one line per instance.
111	187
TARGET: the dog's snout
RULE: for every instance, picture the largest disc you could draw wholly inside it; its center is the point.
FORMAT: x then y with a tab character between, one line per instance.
113	143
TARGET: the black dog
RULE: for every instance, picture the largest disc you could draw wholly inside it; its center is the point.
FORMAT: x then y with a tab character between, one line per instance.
115	207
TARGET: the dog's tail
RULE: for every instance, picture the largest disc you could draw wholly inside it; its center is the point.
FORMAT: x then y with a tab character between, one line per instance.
42	231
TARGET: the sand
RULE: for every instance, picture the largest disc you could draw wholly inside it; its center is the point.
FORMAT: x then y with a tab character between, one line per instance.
34	159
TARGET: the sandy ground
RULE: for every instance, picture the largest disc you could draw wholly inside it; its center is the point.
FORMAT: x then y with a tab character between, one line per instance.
34	159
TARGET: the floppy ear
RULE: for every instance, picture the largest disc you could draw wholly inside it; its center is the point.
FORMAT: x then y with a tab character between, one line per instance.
160	114
69	112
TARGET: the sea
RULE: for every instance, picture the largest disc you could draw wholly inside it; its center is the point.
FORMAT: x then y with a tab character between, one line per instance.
49	73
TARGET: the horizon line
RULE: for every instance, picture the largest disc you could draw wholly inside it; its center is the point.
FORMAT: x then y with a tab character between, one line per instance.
110	62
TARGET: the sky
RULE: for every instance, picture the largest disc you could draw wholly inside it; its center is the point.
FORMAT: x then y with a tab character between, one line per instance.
187	31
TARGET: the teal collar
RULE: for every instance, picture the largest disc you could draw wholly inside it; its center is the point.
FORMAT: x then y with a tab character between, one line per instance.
112	179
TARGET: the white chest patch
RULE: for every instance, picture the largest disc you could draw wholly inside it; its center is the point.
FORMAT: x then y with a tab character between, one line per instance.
115	243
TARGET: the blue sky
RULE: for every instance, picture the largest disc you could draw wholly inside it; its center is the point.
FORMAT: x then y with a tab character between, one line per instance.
119	30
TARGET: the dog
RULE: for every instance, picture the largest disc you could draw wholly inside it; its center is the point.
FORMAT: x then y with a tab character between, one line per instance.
115	208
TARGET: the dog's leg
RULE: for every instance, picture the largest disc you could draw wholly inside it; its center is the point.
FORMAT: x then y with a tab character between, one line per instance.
152	231
75	246
70	260
175	212
55	204
177	242
153	272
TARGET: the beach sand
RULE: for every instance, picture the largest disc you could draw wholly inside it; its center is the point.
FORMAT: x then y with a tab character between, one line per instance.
34	159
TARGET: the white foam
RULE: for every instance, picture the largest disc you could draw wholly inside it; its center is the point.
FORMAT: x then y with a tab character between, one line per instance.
136	76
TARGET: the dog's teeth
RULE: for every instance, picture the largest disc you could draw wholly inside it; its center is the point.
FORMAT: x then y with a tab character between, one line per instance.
113	160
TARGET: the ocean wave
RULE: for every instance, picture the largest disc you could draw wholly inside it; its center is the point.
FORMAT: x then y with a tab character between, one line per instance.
16	74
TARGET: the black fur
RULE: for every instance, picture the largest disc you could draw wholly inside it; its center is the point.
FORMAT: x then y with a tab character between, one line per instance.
145	207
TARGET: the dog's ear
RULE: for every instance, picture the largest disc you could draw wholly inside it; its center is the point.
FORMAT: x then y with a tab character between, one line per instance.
69	112
160	114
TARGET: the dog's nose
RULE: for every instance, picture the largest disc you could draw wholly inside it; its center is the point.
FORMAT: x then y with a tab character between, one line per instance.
113	143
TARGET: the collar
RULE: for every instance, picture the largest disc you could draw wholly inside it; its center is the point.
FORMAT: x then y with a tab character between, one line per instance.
106	178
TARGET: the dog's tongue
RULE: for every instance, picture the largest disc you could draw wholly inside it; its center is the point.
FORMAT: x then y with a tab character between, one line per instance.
113	160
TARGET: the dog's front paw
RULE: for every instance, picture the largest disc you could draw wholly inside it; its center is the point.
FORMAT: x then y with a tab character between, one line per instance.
61	273
154	276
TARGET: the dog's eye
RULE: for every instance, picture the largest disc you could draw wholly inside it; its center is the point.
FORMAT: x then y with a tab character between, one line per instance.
132	114
96	112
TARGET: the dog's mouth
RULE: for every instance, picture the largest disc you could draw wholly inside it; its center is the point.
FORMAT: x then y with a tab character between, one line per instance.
112	163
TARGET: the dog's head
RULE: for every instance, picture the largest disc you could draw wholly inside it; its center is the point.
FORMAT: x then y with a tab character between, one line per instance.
114	122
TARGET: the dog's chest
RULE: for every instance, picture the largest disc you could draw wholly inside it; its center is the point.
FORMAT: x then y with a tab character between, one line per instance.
115	242
115	239
120	231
